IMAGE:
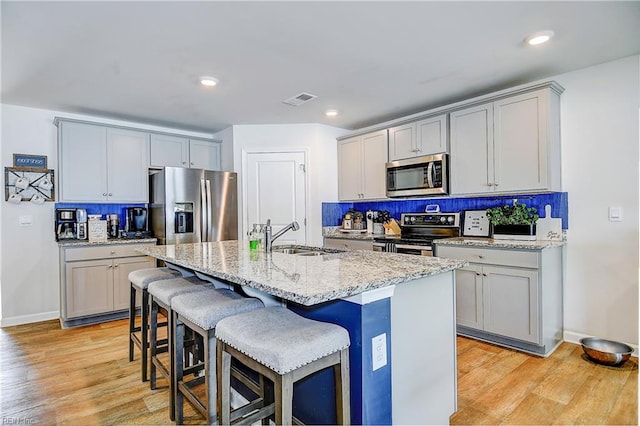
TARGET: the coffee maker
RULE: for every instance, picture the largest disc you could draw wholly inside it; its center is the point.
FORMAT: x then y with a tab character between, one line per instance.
66	224
81	224
137	222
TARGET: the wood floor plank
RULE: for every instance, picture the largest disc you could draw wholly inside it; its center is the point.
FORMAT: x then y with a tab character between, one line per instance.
625	409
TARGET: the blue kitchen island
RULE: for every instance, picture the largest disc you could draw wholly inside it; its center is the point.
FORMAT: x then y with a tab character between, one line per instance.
399	311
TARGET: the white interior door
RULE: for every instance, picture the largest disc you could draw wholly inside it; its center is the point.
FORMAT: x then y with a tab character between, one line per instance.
275	188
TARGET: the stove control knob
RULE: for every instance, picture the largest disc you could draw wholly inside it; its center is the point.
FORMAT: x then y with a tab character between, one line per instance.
443	219
413	219
406	219
450	219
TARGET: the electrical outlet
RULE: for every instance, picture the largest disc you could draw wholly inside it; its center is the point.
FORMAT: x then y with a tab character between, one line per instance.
379	351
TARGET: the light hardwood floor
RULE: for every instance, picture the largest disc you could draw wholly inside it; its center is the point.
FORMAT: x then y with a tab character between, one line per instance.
82	376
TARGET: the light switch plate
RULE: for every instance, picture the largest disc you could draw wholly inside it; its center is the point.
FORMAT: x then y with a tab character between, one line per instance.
379	351
615	214
25	220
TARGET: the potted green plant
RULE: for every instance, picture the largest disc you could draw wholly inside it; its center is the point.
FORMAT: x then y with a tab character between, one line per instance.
513	222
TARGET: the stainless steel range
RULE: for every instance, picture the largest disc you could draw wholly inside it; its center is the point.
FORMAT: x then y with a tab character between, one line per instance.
418	230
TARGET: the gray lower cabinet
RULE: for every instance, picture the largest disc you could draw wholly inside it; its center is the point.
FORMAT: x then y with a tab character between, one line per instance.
509	297
346	244
94	281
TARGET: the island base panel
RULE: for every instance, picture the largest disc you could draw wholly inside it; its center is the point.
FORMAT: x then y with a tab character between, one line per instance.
314	397
423	342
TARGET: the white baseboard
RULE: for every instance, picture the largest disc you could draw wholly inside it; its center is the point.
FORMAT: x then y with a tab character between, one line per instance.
573	337
28	319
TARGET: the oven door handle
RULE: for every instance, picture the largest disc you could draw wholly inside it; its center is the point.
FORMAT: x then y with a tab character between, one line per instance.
413	247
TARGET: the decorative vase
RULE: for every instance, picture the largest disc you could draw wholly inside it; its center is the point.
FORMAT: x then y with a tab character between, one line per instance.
514	232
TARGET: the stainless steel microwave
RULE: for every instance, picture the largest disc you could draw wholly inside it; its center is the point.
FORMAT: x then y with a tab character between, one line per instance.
419	176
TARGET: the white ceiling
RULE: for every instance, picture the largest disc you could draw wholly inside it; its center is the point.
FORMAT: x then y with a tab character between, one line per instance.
373	61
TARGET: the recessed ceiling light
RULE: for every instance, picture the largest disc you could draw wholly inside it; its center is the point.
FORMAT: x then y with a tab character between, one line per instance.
331	112
538	38
208	81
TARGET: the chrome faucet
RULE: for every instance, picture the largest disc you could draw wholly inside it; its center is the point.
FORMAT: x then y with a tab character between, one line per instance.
269	238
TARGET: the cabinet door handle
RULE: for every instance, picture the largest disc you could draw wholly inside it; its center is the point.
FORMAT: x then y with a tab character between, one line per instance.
477	274
184	162
110	194
115	266
113	252
496	184
484	275
104	194
193	164
480	256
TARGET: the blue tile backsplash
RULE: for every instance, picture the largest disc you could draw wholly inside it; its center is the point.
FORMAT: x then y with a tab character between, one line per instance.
332	213
103	209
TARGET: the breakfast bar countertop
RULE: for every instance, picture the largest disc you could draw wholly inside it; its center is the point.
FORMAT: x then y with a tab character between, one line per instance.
307	280
110	241
504	244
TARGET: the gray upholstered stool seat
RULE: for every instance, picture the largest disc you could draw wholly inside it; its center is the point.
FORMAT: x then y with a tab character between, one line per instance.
139	280
165	290
201	312
143	277
285	348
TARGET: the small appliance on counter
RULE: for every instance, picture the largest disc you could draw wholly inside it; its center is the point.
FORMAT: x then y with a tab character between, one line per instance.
66	224
137	223
81	224
113	225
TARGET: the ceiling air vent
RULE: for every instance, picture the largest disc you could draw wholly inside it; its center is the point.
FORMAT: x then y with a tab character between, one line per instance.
299	99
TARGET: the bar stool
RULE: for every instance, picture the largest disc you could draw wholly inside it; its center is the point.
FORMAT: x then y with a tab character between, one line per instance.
201	312
161	294
284	347
140	280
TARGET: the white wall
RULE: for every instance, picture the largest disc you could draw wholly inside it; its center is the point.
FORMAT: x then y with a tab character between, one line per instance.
322	173
29	289
600	140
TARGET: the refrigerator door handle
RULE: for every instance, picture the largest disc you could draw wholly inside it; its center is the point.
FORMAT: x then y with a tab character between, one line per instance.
209	211
203	210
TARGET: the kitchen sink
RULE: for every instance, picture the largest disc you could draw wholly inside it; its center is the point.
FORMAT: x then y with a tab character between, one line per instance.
304	250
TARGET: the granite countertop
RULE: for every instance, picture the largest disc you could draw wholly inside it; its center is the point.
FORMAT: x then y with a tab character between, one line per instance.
491	243
78	243
307	280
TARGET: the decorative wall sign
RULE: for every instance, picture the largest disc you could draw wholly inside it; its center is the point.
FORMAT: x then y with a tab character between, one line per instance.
97	230
29	184
31	161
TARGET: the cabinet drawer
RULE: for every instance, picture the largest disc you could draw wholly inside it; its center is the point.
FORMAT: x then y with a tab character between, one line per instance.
339	243
103	252
518	258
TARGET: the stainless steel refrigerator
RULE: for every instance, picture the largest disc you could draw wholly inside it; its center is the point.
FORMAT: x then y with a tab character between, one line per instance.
193	205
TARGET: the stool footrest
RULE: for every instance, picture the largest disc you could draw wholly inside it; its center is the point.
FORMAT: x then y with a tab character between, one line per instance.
262	412
191	397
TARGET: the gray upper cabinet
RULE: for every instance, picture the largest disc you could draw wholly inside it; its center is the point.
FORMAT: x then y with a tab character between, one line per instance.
204	154
176	151
168	151
509	145
423	137
102	164
361	166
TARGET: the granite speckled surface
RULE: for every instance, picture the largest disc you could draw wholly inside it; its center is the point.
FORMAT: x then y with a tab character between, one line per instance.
491	243
307	280
79	243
